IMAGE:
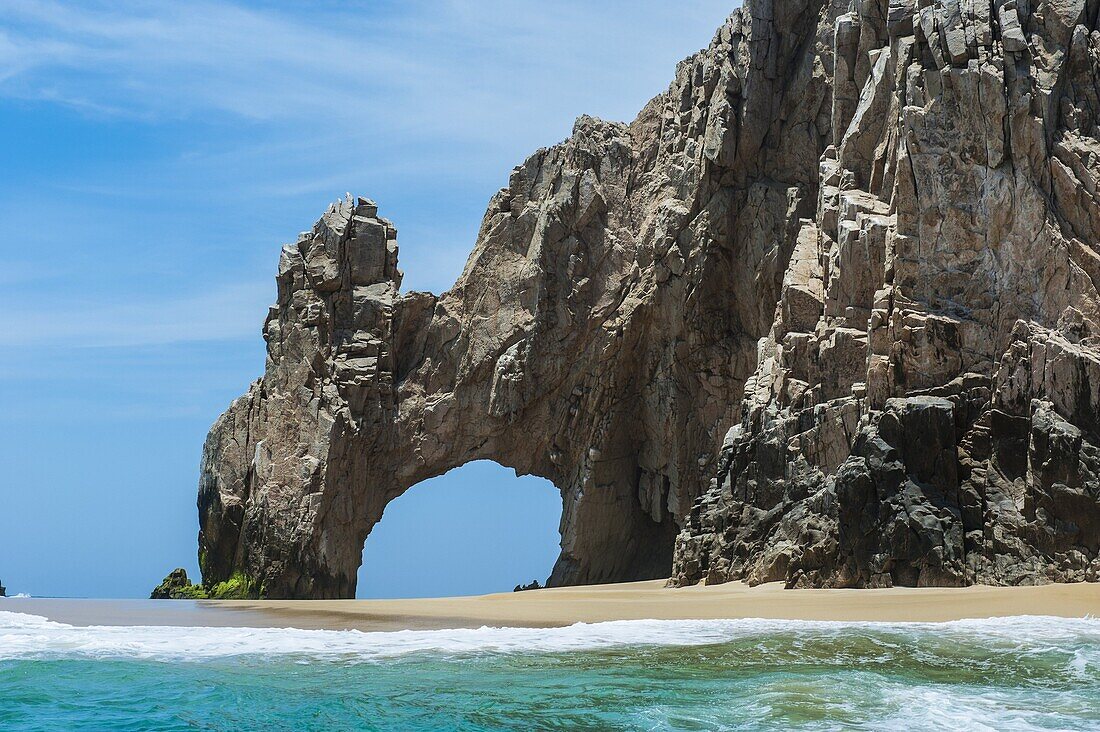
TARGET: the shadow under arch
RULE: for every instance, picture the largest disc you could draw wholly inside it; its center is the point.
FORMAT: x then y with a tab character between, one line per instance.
479	528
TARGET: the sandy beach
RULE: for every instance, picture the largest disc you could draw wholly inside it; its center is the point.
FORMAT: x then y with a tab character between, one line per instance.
652	600
567	605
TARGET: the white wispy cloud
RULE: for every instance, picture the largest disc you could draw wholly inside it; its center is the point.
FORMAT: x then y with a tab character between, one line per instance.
306	101
407	68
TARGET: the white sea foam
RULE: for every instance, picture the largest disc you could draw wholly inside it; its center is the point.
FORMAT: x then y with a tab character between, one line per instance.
968	709
24	636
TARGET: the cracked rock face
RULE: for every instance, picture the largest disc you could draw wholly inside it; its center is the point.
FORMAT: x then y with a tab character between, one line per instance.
823	313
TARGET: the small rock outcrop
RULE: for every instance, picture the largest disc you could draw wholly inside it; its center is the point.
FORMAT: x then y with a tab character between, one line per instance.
824	313
177	586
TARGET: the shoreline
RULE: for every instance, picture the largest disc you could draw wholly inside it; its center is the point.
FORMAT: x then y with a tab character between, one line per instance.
563	606
651	600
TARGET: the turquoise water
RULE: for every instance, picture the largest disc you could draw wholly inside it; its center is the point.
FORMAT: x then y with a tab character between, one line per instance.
1005	674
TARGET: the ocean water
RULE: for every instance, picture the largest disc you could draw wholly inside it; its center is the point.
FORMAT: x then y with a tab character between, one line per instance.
1024	673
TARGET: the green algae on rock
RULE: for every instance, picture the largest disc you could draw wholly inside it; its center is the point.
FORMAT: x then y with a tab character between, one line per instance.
237	587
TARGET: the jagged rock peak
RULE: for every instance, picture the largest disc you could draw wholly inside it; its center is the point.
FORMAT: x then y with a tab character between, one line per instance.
823	313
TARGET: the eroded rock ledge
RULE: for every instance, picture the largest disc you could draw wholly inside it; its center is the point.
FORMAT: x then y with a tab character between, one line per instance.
823	313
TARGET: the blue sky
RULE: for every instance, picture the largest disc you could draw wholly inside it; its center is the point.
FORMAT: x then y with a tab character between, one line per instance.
156	155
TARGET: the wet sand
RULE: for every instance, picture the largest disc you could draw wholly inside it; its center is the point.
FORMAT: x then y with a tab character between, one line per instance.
183	613
568	605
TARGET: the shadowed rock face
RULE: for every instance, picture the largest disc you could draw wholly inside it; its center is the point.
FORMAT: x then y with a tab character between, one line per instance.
823	313
923	409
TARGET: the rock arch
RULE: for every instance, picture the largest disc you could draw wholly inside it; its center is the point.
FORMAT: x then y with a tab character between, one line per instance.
555	354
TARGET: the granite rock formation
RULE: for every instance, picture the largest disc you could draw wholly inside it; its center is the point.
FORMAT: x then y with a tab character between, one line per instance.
823	313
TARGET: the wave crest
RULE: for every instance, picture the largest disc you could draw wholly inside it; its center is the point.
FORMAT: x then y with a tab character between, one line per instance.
25	636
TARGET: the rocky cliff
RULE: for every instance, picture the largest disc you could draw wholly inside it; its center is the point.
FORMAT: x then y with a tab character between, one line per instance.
823	313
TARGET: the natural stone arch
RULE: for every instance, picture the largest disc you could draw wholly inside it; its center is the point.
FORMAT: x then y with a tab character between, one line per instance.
367	394
553	355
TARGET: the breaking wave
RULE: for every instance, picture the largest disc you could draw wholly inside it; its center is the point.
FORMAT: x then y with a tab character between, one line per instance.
24	636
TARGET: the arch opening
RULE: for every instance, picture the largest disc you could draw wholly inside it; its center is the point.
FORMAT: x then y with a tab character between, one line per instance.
477	529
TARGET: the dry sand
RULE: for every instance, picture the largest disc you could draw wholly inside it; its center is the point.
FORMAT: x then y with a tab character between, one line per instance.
651	600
